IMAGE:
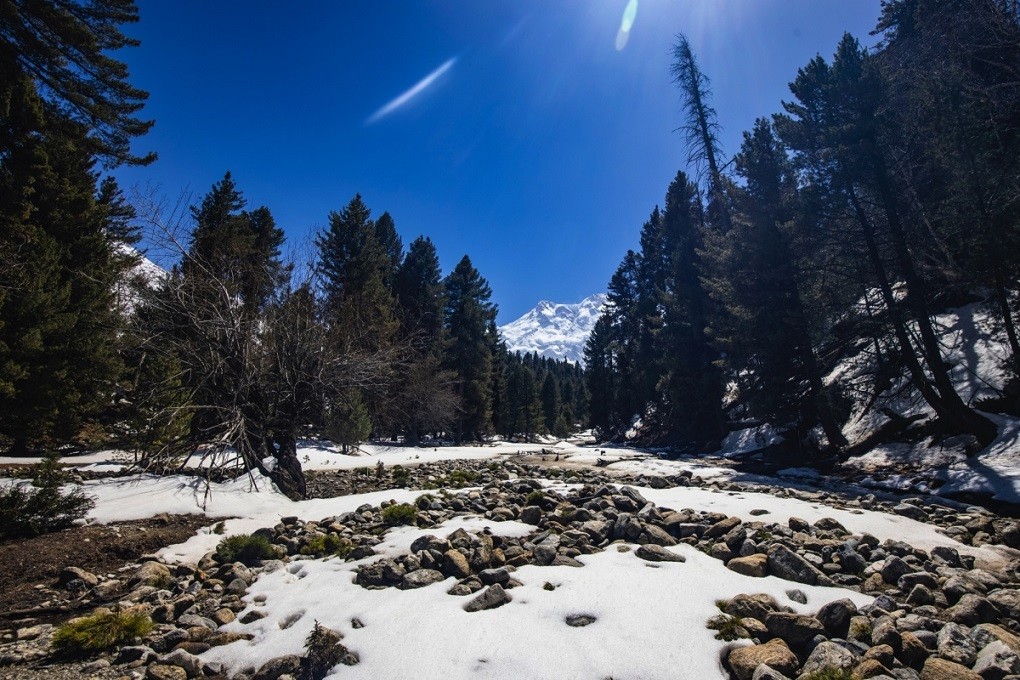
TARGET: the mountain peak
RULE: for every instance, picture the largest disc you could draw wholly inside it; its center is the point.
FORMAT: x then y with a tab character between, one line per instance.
553	329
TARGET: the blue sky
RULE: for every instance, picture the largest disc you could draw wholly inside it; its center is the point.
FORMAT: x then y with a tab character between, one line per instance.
523	138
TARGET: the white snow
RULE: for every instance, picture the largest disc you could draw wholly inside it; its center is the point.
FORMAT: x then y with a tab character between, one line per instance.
650	620
557	331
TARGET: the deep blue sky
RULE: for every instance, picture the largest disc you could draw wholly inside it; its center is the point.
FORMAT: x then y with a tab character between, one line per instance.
539	152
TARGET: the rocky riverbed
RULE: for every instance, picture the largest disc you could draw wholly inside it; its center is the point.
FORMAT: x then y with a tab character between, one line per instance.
938	613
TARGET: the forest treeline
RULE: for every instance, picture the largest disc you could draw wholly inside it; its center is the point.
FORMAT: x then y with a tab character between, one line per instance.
235	352
886	192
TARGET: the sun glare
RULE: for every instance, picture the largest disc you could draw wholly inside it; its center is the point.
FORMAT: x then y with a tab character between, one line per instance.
626	23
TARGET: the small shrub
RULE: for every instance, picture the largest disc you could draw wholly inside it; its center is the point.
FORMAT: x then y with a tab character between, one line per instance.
399	513
41	508
99	631
860	630
219	528
400	474
728	628
534	498
459	478
245	548
361	470
328	544
379	469
323	652
829	674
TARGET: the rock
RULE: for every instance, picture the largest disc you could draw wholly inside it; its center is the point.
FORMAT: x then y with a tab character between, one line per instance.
972	610
774	654
795	629
788	565
491	576
421	578
192	665
988	632
828	655
829	524
911	511
455	564
835	616
941	669
192	620
159	671
764	672
920	595
954	645
153	574
894	568
69	574
281	665
223	616
870	668
912	651
531	514
168	641
656	553
753	565
757	606
797	524
722	527
492	597
134	653
885	633
995	661
653	534
797	595
580	620
882	654
1006	601
951	556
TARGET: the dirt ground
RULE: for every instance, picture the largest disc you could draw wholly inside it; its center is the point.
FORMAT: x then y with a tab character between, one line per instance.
98	548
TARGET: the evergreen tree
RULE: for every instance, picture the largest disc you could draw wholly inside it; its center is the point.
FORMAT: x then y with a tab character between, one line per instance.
551	413
63	48
390	242
469	323
58	324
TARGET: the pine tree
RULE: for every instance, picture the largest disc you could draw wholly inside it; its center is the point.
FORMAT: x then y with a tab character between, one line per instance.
63	47
58	323
551	406
469	321
389	241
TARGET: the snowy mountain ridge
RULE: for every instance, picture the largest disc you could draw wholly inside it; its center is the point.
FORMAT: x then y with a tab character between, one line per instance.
555	330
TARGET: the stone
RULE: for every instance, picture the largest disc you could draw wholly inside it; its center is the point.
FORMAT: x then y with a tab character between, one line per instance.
765	672
774	654
788	565
580	620
455	564
159	671
954	645
829	524
797	595
920	595
911	511
281	665
941	669
656	553
835	616
885	633
223	616
753	565
987	632
492	597
653	534
491	576
995	661
881	653
153	574
421	578
134	653
169	640
912	652
192	665
797	524
795	629
894	568
869	668
828	655
972	610
1006	601
531	514
722	527
757	606
69	574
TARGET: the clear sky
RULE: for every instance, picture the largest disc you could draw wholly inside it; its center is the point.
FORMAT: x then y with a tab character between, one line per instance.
530	135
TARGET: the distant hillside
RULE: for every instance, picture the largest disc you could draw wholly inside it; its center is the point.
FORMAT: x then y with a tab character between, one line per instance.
555	330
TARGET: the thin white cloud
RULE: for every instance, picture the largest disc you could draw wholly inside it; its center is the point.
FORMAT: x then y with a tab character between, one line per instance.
413	92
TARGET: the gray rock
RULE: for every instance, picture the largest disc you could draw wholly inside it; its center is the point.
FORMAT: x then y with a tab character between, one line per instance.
765	672
954	645
828	655
835	616
131	653
995	661
795	629
421	578
893	569
491	576
788	565
911	511
492	597
192	665
656	553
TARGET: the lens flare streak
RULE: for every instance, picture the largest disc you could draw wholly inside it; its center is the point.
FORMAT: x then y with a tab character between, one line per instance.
413	92
626	23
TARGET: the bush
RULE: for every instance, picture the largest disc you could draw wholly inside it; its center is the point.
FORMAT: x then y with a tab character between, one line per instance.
323	652
247	549
728	628
399	513
400	474
100	630
460	478
535	498
41	508
327	544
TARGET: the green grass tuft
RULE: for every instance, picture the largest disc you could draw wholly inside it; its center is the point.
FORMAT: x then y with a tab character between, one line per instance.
99	631
247	549
399	513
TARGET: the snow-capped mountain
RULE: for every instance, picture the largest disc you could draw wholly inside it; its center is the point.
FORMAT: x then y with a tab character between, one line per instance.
555	330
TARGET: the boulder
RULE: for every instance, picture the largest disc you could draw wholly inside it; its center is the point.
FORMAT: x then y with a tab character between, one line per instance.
492	597
775	654
753	565
795	629
941	669
656	553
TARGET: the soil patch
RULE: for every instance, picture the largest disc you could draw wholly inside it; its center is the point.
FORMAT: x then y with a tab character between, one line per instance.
98	548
